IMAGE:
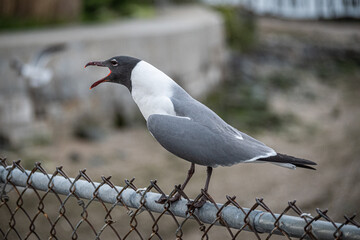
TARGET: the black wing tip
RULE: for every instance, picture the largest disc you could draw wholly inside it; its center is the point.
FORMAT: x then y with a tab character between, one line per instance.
56	47
298	162
53	48
305	166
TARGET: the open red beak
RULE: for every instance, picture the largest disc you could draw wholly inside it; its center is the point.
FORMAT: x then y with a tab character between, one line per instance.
100	64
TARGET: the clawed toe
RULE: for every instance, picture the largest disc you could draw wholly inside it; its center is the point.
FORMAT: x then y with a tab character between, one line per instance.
198	204
175	198
163	199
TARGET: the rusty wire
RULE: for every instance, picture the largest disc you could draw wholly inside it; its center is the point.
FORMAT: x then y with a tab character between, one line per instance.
33	212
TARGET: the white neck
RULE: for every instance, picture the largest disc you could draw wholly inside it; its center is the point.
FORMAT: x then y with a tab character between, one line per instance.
151	90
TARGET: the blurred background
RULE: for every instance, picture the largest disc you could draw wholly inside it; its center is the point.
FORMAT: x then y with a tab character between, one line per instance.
284	71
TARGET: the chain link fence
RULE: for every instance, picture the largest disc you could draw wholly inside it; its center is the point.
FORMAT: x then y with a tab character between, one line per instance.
38	205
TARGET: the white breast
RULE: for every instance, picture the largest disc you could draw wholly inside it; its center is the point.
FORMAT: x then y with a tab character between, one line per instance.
151	90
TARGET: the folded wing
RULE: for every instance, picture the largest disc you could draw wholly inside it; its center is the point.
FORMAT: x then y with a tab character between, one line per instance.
205	145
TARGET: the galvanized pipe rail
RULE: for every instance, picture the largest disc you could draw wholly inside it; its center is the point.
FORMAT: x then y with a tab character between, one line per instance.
259	221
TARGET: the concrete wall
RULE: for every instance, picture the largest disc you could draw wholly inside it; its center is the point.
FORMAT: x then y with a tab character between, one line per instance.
186	43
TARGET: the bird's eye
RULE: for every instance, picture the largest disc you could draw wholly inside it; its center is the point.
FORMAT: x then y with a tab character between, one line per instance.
114	62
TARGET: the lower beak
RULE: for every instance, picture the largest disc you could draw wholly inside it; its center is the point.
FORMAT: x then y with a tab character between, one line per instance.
99	64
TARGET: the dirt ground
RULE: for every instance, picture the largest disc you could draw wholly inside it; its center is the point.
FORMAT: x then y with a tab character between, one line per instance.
327	131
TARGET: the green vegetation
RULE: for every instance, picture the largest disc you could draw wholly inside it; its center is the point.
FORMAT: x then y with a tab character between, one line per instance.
240	27
119	120
241	101
103	10
282	80
21	23
4	141
244	105
88	128
40	140
334	68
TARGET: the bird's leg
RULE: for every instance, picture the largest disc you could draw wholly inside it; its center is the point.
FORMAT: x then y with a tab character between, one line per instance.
177	196
182	187
202	201
209	172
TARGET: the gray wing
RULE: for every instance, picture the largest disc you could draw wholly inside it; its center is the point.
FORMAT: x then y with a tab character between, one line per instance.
44	56
202	145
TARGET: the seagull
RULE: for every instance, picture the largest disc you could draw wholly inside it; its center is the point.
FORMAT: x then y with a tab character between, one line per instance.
36	74
36	71
186	127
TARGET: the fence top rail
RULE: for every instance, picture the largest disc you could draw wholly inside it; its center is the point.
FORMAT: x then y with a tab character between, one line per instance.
258	219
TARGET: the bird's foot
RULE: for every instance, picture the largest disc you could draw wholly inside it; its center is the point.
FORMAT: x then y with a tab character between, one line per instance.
175	198
163	199
192	205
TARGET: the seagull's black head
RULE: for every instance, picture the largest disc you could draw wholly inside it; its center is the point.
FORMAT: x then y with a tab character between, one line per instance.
120	70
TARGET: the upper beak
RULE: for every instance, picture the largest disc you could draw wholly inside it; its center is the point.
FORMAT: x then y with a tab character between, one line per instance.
105	79
100	64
